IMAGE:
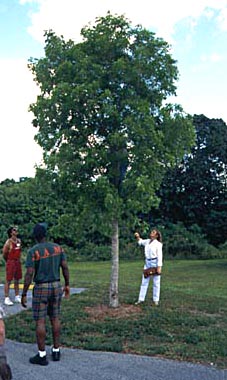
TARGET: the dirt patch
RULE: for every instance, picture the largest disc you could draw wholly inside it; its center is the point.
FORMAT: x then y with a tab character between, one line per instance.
124	311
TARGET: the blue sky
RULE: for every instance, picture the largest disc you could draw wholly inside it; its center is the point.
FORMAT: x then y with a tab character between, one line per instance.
16	42
195	29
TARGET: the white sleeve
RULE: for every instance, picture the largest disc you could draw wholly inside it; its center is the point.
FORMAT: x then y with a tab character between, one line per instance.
159	254
142	242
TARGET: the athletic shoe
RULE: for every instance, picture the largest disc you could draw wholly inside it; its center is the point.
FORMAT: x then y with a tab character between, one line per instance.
17	299
138	302
155	303
38	360
8	301
55	355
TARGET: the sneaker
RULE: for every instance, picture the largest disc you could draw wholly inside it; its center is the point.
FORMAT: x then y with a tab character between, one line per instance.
155	303
56	355
8	301
18	299
38	360
138	302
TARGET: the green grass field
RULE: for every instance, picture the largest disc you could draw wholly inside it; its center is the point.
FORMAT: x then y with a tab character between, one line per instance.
190	323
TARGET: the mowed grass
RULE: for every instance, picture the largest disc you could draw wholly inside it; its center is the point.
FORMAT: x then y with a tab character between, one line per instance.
190	324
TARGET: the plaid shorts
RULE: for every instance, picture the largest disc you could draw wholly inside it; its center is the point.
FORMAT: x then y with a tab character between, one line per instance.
46	300
13	270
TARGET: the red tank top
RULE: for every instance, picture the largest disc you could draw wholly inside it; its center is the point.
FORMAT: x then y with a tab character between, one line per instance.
15	250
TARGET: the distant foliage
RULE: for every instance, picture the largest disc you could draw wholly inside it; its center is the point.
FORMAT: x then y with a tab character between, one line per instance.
180	242
195	191
84	232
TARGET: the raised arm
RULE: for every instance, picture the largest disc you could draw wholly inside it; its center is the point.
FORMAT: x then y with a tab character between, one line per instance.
137	236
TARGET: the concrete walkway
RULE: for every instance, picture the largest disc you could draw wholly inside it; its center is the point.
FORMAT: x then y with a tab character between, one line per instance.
90	365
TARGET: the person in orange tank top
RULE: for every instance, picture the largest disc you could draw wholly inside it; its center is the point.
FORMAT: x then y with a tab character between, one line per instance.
12	254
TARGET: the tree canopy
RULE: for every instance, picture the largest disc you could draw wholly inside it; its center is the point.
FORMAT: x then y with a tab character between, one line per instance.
100	115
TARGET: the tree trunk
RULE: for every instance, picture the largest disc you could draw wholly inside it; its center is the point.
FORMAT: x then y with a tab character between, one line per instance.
115	265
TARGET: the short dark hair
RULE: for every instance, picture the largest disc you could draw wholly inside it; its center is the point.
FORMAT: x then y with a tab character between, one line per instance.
39	231
10	229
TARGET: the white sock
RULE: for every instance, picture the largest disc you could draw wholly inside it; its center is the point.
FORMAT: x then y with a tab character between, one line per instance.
55	349
42	354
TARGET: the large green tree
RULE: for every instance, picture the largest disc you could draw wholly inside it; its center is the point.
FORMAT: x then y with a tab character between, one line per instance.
103	120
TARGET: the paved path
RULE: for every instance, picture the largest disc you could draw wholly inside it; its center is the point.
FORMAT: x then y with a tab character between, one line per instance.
90	365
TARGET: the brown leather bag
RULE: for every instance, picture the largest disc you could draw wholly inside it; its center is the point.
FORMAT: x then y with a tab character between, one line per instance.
150	272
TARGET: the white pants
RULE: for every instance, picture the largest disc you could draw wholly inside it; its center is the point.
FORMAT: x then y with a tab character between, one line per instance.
145	283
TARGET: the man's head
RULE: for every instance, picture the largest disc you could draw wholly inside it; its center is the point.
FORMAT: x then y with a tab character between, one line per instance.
12	231
39	231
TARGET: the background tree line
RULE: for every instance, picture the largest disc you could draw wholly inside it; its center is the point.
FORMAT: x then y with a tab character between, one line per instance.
192	212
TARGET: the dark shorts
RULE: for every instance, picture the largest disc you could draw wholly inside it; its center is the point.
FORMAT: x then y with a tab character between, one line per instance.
46	300
13	270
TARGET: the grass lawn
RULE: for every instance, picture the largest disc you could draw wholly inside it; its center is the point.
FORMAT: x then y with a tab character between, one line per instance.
190	323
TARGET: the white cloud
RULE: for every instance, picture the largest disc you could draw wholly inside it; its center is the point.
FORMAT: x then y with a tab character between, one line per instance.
213	58
223	19
67	17
18	150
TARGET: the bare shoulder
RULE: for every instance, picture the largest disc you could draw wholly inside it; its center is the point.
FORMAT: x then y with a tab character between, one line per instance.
7	243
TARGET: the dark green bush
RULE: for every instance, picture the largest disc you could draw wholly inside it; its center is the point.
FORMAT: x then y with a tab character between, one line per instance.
180	242
90	251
